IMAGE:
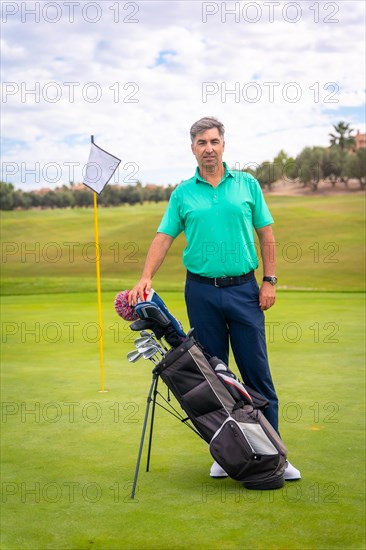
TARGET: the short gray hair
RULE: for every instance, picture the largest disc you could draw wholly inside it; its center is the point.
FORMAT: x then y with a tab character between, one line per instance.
206	123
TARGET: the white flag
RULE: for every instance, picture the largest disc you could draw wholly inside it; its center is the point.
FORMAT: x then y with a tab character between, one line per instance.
100	168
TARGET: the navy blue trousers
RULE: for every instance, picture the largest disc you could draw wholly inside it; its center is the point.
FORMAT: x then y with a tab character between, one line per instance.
231	315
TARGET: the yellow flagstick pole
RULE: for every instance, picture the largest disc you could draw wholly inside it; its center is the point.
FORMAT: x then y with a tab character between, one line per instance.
99	294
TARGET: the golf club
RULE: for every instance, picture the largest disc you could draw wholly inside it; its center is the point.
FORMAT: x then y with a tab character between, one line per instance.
150	354
134	356
151	348
143	342
146	334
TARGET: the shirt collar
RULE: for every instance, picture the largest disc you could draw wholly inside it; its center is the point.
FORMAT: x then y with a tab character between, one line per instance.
227	174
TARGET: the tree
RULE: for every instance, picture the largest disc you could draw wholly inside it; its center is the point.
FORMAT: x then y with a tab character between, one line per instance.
6	196
156	194
284	167
134	195
21	200
35	199
66	197
110	196
266	174
332	164
310	162
343	141
356	167
343	138
168	191
83	197
50	200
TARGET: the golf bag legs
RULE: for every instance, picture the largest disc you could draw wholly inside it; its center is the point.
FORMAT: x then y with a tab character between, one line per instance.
152	390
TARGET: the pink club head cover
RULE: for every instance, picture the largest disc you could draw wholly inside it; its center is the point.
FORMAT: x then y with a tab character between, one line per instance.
123	308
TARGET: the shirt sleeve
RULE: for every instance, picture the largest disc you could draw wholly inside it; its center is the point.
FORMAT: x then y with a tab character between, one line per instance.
260	210
171	223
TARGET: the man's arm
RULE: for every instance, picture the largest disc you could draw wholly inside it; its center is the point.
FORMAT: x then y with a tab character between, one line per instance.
155	257
267	292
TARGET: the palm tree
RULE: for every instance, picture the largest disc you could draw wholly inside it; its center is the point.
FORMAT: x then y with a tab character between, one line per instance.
343	141
343	138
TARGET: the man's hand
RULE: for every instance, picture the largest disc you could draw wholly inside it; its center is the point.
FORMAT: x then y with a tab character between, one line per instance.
267	296
142	288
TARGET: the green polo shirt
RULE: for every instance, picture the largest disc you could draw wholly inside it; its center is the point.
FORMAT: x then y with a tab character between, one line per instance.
218	223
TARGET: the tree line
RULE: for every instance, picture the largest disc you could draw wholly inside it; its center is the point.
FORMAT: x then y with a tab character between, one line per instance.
313	165
77	195
337	163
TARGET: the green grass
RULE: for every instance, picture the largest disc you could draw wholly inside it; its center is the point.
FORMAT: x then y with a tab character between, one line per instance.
69	451
320	242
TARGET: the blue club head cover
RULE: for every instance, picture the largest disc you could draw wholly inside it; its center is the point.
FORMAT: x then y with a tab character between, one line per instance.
154	298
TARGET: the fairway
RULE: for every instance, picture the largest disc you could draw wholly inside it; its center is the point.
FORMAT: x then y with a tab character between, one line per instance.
320	243
69	451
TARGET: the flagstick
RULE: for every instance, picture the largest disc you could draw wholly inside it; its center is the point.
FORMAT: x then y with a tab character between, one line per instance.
100	322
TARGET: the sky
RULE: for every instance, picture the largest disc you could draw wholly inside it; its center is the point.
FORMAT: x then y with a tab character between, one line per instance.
137	75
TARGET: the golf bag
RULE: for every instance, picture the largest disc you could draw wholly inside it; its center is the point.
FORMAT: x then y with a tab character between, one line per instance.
228	416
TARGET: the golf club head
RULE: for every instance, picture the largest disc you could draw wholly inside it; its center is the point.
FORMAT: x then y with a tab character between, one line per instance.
134	356
145	341
151	343
145	349
150	352
146	333
142	341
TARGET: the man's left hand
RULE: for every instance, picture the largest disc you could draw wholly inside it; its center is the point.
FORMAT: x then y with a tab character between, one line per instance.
267	296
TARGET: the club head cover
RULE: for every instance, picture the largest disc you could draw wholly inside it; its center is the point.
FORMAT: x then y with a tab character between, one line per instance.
147	324
161	323
128	312
230	381
151	312
141	324
123	308
156	299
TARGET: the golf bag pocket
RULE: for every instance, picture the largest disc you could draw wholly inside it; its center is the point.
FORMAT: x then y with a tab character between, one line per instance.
201	399
245	452
231	449
262	436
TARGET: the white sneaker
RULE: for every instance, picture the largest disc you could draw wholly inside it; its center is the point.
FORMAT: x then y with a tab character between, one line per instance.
291	473
217	471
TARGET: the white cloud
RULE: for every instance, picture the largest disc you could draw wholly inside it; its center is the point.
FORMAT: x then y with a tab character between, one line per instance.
145	109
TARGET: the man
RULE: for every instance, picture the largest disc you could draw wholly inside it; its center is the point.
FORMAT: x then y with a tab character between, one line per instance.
217	210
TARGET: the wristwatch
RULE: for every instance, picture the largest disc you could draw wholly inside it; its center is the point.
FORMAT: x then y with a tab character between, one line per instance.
272	280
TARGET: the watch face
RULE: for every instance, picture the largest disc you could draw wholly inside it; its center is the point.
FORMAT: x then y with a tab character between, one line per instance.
272	280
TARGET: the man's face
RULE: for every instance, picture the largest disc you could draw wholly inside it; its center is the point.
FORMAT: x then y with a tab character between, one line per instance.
208	148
